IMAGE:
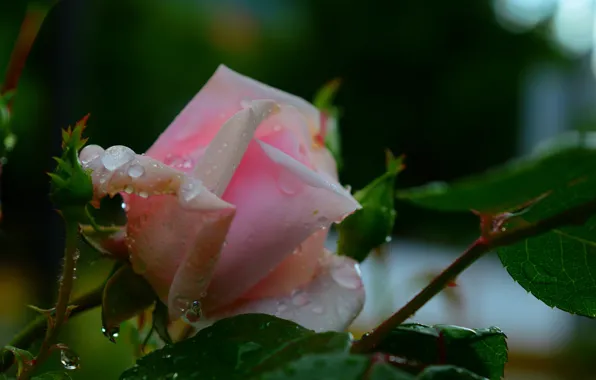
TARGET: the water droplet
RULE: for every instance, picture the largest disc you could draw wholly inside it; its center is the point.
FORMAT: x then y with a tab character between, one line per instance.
190	189
245	103
277	127
111	333
90	153
143	194
288	184
117	156
128	189
346	276
300	299
135	171
224	145
387	239
69	359
193	312
318	309
124	206
187	164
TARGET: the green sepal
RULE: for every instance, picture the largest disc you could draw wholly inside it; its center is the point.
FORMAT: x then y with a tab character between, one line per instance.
371	226
71	186
323	100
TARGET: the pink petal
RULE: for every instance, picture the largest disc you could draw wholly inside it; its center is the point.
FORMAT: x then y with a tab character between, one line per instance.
226	93
225	151
331	301
295	271
176	227
280	203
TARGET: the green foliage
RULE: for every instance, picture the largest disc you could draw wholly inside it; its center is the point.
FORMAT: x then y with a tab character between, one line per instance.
320	367
54	375
71	188
263	347
370	227
483	351
384	371
448	372
228	349
125	295
558	267
508	186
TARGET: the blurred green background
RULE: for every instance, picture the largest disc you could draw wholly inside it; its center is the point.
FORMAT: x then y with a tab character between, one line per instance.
455	86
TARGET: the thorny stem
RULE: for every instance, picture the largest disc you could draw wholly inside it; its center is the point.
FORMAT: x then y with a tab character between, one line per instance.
577	215
38	327
64	291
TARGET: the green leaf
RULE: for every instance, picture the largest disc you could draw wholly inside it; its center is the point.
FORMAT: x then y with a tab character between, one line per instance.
327	342
447	372
233	348
54	375
483	351
126	294
23	357
506	187
558	267
321	367
370	227
385	371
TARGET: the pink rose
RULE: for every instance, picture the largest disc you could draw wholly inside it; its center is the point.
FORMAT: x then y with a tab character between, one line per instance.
230	208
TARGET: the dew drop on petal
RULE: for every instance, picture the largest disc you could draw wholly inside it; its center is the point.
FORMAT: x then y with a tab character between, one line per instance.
288	184
190	189
346	276
300	299
128	189
135	171
90	153
193	312
117	156
318	309
69	359
143	194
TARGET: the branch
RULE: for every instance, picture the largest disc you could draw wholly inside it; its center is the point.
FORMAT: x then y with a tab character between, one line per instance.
37	328
575	216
